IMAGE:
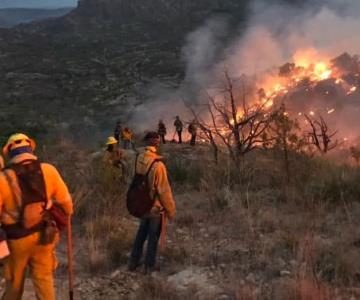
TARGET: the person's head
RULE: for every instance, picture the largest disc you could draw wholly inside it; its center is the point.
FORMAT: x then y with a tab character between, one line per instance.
111	143
19	143
160	121
152	138
177	117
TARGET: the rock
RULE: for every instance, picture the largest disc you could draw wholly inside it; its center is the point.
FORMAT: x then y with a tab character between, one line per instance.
223	297
195	277
115	274
285	273
251	278
135	286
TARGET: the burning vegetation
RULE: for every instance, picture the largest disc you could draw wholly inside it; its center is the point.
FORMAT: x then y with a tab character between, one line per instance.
297	105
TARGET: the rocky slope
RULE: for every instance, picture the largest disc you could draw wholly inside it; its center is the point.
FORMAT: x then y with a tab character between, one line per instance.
85	69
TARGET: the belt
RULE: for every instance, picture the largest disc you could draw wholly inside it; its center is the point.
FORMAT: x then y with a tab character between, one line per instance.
17	231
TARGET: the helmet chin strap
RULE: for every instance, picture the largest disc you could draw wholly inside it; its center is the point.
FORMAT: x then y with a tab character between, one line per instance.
21	150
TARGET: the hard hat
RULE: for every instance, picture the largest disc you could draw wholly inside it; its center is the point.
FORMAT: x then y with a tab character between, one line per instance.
111	140
18	140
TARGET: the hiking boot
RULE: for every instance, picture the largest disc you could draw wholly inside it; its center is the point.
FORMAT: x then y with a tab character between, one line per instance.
150	270
133	266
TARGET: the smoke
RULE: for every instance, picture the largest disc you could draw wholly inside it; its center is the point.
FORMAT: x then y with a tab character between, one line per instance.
202	49
275	33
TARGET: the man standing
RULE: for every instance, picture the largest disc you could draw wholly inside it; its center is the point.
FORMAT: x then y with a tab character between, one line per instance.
115	156
153	224
126	136
178	127
118	131
162	131
193	131
28	189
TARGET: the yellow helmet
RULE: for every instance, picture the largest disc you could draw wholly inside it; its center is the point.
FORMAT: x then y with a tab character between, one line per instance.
18	140
111	140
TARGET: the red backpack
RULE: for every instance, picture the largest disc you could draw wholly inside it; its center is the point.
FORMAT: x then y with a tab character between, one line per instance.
138	200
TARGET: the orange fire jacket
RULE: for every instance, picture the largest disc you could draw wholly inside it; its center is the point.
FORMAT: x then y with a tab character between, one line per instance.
56	190
158	180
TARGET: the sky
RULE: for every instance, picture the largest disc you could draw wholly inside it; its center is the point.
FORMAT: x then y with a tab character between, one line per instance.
37	3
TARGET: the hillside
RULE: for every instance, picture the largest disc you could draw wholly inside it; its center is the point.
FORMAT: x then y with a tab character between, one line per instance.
87	67
245	235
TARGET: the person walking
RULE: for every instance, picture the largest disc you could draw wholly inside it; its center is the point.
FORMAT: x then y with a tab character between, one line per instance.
28	191
192	129
162	131
153	223
178	127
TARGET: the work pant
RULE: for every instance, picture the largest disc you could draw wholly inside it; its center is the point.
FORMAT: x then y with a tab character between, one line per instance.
179	136
162	136
193	139
150	229
126	144
27	252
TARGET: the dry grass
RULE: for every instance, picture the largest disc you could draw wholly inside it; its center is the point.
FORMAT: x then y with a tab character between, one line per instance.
157	288
301	239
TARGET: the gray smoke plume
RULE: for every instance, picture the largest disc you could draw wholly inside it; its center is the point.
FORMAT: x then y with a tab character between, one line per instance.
276	33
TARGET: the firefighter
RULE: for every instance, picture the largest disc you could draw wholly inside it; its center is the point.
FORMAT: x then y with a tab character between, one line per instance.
118	131
162	131
114	155
178	127
153	224
192	129
28	190
126	137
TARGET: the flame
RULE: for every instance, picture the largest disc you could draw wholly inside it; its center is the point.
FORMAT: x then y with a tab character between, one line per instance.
303	74
322	71
269	103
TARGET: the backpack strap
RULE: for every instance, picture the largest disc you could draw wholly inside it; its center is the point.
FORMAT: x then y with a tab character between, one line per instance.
16	197
151	165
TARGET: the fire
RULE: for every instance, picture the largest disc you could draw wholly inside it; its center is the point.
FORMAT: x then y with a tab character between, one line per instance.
322	71
307	70
309	76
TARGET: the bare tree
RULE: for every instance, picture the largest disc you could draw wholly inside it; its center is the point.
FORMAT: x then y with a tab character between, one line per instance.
286	134
207	132
320	136
234	122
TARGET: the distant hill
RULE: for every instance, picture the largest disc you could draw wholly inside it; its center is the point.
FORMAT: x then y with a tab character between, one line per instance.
10	17
37	3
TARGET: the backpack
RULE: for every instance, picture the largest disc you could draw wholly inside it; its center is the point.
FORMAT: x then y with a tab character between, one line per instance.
32	211
138	200
33	192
